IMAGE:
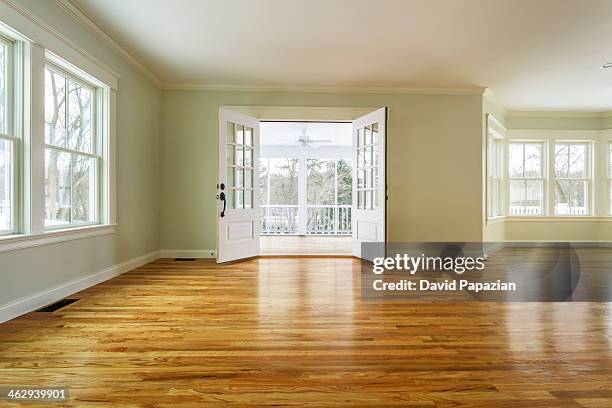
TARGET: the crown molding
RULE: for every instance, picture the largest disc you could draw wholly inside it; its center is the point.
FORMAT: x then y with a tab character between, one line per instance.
75	12
321	89
558	114
495	102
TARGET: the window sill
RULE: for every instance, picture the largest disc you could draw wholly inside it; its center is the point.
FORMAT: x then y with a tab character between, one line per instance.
496	220
556	218
22	241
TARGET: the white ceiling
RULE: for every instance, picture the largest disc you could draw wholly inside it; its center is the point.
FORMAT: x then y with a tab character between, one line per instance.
532	54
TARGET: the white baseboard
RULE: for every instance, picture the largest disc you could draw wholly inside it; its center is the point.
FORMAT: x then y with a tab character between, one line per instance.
186	253
36	301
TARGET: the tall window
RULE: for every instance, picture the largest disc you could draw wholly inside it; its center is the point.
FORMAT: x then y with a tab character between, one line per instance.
8	142
279	195
495	173
572	178
329	196
72	151
526	178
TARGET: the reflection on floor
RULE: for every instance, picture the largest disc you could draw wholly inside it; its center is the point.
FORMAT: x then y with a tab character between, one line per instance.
295	332
305	245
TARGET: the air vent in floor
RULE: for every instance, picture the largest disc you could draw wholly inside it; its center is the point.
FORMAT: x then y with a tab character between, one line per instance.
57	305
184	259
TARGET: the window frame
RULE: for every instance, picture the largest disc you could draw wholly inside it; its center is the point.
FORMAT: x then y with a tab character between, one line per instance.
96	145
495	168
13	134
589	166
543	172
35	44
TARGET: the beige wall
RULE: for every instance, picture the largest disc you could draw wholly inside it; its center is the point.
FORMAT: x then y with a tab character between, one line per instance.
434	162
29	271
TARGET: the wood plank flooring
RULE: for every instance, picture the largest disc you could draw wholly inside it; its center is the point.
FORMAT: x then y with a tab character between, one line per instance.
305	245
293	332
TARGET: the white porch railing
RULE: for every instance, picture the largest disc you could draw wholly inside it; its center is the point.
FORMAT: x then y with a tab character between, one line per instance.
320	220
559	210
329	219
279	219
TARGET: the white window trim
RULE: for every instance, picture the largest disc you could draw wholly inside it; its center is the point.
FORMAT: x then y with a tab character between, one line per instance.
542	178
39	42
589	145
598	139
495	132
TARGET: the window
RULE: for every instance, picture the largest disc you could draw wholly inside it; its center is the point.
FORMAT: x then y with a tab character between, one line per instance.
72	151
526	178
278	180
572	178
495	167
9	142
329	196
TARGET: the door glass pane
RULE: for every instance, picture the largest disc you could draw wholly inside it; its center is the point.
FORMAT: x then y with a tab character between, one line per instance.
375	155
375	178
229	198
230	156
360	178
55	109
368	156
368	178
231	136
239	198
368	199
248	136
239	180
83	189
360	199
230	178
248	199
248	157
239	155
374	199
239	134
79	118
57	188
375	133
368	135
248	178
360	158
6	185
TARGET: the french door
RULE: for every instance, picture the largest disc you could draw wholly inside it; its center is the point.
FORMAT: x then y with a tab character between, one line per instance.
238	187
369	184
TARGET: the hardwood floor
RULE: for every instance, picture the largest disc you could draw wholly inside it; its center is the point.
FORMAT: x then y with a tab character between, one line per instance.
294	332
305	245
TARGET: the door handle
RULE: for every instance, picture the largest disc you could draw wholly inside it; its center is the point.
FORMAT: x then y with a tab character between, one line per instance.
222	198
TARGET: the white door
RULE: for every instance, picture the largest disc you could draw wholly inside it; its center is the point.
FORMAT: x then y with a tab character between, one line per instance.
238	188
369	185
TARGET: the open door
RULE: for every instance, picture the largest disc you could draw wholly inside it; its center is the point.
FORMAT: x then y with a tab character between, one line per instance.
238	188
369	184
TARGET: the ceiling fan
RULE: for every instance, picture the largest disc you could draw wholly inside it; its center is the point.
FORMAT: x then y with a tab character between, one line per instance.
305	140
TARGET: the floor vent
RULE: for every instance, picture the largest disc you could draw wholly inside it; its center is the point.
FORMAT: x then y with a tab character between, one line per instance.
57	305
184	259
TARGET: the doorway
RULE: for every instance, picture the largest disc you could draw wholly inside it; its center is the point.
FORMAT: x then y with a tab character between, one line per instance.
295	184
306	172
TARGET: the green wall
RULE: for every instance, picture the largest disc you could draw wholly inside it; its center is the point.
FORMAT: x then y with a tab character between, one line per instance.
434	162
29	271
